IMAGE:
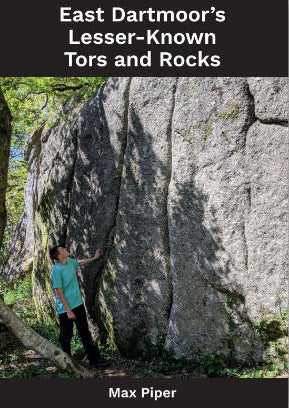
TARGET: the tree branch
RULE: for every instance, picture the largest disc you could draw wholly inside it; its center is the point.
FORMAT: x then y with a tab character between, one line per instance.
32	340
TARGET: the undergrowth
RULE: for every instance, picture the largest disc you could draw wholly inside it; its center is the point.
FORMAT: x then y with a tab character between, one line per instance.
14	364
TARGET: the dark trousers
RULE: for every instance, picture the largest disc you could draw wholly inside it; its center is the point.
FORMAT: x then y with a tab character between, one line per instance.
66	333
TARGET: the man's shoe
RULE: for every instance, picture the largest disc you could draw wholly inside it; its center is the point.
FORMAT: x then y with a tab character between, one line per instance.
101	362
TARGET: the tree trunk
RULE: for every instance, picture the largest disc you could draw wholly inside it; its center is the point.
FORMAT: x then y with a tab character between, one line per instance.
32	340
5	140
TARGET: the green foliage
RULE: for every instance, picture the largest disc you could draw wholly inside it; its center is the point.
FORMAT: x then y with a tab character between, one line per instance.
263	371
272	332
34	101
21	291
162	362
269	330
77	347
19	296
213	366
45	330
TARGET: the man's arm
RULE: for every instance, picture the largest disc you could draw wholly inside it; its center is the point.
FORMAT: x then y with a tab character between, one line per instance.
63	300
87	261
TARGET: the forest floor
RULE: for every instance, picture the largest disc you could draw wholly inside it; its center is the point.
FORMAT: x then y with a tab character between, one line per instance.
22	363
18	362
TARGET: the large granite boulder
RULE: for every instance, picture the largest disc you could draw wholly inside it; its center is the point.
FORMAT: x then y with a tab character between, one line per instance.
182	182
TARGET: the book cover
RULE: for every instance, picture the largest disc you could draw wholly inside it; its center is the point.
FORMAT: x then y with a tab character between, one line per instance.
147	141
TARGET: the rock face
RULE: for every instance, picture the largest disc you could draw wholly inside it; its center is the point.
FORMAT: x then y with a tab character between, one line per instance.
183	184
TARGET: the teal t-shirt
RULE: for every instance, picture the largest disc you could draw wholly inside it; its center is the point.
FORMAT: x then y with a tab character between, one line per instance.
64	276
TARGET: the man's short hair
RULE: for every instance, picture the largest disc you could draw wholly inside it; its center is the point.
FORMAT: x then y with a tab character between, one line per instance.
53	252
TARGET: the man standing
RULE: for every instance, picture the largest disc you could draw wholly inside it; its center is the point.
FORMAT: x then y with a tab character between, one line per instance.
69	303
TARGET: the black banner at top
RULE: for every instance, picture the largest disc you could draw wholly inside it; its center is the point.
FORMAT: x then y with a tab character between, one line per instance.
144	38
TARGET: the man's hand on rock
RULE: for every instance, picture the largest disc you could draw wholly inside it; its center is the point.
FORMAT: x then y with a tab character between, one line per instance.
97	255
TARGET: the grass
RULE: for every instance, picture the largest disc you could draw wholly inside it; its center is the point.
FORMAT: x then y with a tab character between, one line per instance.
18	293
268	370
